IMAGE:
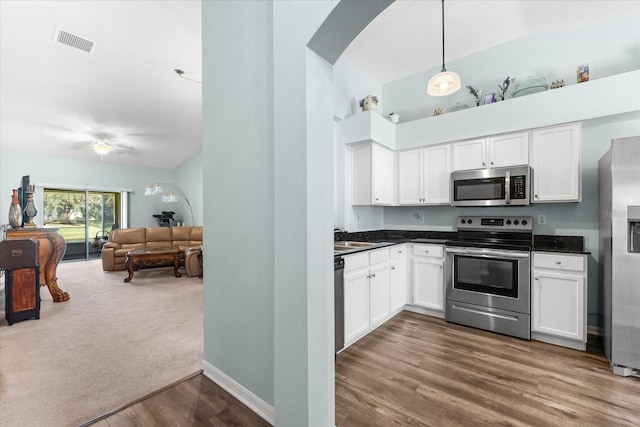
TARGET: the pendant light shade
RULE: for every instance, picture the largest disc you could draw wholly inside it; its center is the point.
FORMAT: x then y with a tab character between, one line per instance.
445	82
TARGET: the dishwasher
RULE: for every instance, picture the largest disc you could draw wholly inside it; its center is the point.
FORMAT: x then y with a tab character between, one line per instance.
338	295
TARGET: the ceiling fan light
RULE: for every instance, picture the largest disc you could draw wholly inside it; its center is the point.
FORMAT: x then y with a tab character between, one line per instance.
443	83
102	148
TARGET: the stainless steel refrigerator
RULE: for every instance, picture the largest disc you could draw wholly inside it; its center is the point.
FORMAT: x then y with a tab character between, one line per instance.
619	210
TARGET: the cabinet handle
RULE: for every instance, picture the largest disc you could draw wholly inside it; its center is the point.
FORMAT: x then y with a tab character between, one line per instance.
393	268
426	252
558	262
399	252
373	275
536	196
440	267
376	199
483	164
491	162
535	278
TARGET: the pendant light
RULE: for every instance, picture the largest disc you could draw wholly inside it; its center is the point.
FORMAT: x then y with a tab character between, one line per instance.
445	82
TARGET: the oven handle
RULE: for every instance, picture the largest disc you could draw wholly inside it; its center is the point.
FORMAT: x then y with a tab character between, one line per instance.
488	252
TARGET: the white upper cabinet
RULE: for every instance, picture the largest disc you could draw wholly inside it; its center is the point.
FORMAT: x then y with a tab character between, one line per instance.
508	150
410	177
437	161
556	164
423	176
470	155
493	152
373	168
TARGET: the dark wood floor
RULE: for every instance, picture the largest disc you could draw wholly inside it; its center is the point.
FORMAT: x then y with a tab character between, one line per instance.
421	371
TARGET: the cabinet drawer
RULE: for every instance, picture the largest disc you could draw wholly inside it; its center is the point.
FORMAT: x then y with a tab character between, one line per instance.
379	255
397	251
434	251
559	262
356	261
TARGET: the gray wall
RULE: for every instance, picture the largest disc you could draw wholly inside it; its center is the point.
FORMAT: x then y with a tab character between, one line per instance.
188	176
268	196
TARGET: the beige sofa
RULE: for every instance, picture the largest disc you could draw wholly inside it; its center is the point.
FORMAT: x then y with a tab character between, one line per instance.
185	239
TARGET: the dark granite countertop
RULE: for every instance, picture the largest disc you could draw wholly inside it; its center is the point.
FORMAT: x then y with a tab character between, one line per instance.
565	244
384	238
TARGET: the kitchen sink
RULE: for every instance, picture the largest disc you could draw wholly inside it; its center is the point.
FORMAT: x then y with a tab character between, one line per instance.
354	244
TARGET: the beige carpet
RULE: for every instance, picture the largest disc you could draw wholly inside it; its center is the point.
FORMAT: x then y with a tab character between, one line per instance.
110	344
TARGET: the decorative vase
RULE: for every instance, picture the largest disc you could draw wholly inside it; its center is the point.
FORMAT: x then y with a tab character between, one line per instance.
15	213
370	103
30	210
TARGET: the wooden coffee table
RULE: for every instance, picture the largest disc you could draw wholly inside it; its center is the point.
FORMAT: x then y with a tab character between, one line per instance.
152	258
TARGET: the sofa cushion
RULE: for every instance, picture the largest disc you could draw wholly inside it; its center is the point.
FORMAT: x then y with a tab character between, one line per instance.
128	235
180	233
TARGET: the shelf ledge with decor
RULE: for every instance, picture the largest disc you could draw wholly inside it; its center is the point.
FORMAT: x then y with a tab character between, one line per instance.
366	126
608	96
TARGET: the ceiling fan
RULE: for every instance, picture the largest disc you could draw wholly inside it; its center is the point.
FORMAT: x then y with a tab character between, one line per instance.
102	147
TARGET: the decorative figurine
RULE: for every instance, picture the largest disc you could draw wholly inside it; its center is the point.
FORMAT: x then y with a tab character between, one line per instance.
438	111
477	94
15	214
369	103
557	84
583	73
504	86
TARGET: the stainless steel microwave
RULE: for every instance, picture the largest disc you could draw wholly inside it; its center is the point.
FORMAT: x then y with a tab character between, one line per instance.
510	186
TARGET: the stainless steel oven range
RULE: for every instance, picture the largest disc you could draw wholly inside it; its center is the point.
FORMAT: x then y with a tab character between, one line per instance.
488	274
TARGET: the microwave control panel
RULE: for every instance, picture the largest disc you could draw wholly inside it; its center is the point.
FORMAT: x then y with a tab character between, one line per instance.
518	187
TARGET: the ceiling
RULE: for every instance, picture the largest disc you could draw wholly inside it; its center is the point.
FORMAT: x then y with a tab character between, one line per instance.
407	37
56	100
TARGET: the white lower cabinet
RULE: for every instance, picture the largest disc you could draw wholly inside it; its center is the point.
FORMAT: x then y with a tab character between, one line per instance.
366	292
559	299
398	278
428	276
356	304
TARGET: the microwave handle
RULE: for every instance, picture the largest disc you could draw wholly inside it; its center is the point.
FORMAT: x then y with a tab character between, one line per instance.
507	185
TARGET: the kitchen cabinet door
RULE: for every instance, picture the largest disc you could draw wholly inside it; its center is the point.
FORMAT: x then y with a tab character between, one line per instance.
398	284
508	150
428	283
437	173
558	305
470	155
356	304
410	177
379	307
383	176
556	162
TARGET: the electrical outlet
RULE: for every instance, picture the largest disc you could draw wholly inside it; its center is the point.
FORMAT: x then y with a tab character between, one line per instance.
542	220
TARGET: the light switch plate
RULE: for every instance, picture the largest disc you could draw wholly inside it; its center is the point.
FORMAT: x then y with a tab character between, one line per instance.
542	220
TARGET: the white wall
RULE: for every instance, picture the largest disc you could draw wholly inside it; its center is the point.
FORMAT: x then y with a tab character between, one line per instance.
73	172
351	84
188	176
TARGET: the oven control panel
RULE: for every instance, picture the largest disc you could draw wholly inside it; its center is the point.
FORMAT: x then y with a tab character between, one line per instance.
506	223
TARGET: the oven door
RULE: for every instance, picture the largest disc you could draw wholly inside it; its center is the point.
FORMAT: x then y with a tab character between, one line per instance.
489	278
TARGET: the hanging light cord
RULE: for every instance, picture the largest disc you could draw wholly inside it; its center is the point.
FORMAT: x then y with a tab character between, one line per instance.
443	69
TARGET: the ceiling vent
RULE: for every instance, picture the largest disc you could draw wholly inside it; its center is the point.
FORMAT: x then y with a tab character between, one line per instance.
73	40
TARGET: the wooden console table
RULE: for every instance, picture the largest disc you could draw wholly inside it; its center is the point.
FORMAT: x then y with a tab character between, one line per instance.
51	248
152	258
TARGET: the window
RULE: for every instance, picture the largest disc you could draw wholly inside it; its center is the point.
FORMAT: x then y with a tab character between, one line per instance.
83	218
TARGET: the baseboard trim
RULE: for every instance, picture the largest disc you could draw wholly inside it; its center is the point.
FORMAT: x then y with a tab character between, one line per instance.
253	402
593	330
